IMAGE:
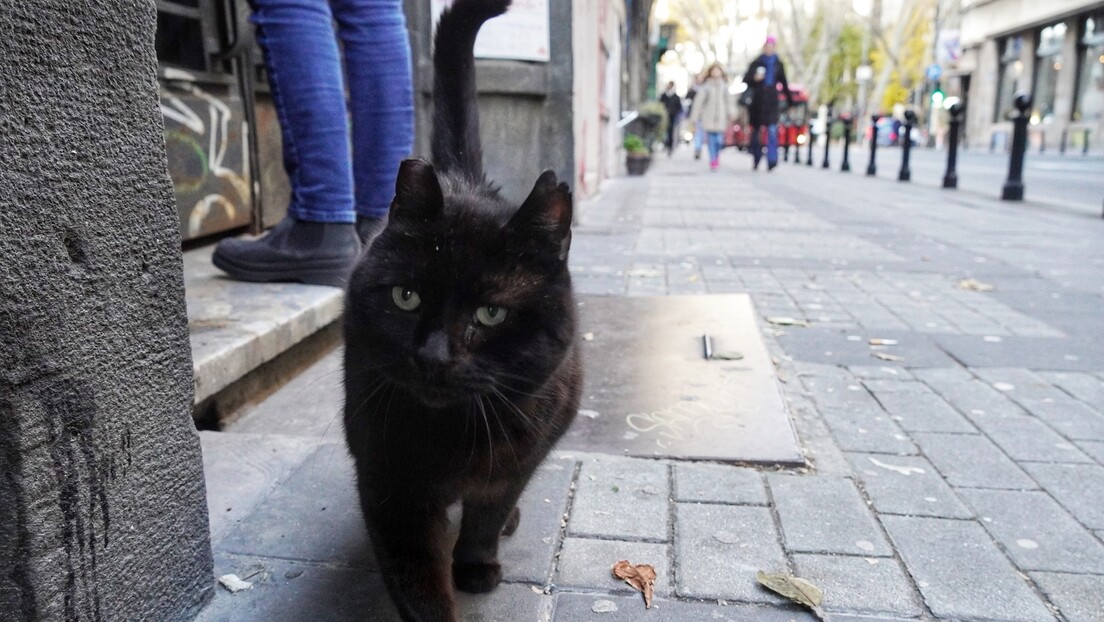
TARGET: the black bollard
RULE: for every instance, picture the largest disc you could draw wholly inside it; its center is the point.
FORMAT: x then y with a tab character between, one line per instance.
871	168
785	149
950	178
1085	144
809	149
1062	143
1042	141
1013	186
827	142
797	149
905	174
845	166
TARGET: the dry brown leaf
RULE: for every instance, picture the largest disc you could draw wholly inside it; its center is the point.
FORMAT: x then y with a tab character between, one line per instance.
641	576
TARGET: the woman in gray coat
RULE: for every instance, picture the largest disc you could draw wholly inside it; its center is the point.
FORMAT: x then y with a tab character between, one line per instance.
714	109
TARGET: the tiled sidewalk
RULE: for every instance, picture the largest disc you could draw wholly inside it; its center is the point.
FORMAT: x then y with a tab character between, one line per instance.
961	480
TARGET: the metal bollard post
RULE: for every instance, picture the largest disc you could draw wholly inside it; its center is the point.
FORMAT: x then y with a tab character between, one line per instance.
797	150
786	150
1062	143
845	166
1013	186
827	143
1085	144
1042	142
905	174
809	149
871	168
950	178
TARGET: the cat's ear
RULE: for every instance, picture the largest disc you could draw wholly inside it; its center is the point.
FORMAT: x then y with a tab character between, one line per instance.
417	191
547	212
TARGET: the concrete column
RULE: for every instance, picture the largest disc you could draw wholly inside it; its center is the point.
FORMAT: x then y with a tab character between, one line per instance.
102	503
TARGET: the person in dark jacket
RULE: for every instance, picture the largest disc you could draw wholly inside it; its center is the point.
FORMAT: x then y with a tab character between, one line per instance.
763	77
673	103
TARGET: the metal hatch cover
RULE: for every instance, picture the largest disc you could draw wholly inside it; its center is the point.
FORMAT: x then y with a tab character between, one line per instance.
650	391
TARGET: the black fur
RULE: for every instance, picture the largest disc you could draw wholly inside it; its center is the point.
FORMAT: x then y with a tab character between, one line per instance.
440	407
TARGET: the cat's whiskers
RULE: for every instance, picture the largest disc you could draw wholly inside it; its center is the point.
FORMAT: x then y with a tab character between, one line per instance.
525	419
505	434
490	441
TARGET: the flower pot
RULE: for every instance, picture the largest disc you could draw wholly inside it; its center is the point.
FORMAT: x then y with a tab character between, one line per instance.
637	164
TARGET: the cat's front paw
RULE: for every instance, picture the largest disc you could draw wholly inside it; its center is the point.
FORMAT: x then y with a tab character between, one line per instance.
477	577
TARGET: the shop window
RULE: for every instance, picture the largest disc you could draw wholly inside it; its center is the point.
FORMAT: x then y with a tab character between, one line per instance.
1010	78
1048	68
1089	100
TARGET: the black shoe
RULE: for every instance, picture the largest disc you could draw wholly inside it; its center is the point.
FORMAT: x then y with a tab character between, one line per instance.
368	228
316	253
771	165
697	155
755	164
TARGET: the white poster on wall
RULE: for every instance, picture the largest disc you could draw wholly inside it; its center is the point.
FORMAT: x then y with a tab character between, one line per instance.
520	34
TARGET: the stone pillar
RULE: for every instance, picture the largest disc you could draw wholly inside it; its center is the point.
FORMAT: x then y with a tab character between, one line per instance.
102	502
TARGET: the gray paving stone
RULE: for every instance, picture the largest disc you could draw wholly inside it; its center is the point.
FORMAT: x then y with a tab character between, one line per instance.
1056	408
291	591
314	515
1085	387
622	498
865	585
528	554
1094	448
719	548
825	515
576	607
922	411
867	429
719	484
1036	532
242	469
1078	487
1080	598
969	395
972	460
308	405
907	485
879	372
961	573
587	563
1025	438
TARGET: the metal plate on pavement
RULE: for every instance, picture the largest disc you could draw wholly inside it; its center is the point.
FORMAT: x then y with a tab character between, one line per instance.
651	392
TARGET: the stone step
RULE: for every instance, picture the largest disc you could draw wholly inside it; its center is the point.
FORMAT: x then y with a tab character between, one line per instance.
237	327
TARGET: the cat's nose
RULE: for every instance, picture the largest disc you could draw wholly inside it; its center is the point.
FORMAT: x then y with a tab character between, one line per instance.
434	353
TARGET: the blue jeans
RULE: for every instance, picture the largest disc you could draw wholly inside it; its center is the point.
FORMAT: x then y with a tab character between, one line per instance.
699	137
716	143
308	88
772	143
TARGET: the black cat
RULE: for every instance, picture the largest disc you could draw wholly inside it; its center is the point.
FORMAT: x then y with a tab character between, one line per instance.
461	360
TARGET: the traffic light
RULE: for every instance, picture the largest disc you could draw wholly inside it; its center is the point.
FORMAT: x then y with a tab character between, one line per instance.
937	95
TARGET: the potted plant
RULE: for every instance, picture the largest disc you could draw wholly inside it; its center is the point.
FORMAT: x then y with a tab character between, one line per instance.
637	155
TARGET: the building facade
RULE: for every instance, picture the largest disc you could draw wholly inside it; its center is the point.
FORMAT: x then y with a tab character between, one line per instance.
1053	51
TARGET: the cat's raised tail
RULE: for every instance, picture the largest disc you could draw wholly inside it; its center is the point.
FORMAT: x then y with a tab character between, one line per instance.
455	144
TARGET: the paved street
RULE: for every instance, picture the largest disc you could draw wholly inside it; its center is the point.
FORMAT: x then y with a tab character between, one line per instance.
1068	182
954	433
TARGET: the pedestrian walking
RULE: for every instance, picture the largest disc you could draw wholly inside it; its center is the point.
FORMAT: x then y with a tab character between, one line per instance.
338	200
699	135
763	78
714	110
673	103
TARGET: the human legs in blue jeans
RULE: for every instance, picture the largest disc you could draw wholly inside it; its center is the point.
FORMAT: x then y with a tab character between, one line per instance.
756	145
317	242
716	143
699	138
772	145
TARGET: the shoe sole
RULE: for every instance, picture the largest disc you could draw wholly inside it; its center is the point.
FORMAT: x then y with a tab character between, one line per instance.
333	272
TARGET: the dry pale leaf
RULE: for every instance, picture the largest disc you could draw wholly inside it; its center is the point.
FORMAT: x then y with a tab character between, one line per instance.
794	588
974	285
234	584
887	357
641	576
728	355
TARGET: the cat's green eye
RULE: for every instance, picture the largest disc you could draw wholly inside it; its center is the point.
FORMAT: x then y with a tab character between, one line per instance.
490	315
405	298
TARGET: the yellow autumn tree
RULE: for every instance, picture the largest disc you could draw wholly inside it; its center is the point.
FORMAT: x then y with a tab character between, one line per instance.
909	60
